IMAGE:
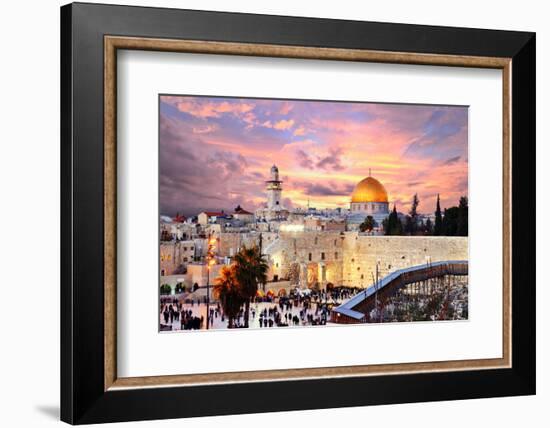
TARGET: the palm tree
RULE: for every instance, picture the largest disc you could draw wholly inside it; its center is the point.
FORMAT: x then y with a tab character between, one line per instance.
226	289
250	270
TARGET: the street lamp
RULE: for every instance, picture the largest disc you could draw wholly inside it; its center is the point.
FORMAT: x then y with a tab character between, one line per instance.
210	261
376	289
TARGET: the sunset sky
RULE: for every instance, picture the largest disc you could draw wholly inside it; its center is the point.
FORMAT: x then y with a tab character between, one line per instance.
215	153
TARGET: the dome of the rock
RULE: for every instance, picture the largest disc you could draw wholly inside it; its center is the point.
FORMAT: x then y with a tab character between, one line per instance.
369	190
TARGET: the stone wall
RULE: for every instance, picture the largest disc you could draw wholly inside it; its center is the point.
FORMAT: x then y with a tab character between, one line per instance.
350	258
230	243
362	253
313	258
309	252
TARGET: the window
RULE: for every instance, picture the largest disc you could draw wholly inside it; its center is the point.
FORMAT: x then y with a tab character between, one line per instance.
336	256
322	256
309	256
184	248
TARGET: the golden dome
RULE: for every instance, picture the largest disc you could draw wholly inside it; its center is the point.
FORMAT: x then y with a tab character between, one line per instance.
369	190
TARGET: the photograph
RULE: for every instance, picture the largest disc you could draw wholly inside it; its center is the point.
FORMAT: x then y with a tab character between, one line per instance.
298	213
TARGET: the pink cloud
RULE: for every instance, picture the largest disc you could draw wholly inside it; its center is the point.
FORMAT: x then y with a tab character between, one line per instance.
299	131
207	110
284	124
286	108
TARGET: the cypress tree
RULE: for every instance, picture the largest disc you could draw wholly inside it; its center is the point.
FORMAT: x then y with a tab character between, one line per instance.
438	227
392	225
397	227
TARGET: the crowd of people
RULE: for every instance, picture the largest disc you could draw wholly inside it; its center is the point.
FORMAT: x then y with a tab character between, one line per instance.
299	308
173	312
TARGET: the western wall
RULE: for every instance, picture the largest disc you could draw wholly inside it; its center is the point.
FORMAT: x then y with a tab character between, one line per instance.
351	258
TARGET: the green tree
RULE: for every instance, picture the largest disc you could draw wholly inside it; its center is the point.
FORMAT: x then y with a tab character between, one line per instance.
250	270
226	290
392	224
412	219
165	289
438	226
450	221
462	221
180	287
368	224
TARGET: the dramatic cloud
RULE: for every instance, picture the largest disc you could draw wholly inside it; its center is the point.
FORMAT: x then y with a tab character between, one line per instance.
215	153
332	161
325	189
304	160
452	160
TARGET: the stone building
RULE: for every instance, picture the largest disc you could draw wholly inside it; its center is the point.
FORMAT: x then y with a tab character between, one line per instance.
207	217
243	215
176	255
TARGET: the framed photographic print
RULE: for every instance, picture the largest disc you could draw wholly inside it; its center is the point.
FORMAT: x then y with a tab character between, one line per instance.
308	213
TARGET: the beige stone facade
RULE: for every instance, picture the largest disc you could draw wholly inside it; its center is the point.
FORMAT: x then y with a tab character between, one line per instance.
316	258
362	254
176	255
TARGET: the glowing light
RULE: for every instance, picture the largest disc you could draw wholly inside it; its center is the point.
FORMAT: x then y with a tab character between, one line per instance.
292	228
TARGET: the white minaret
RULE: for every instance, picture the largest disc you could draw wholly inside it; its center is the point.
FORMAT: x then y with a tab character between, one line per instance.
274	190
